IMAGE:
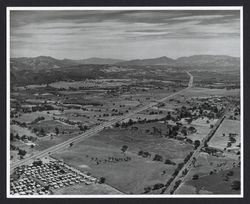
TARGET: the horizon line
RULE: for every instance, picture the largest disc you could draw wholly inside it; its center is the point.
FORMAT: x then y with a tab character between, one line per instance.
174	58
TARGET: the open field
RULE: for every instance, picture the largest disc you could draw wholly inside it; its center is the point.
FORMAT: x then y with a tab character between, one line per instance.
46	142
202	128
168	129
15	129
88	84
82	189
218	183
29	117
221	137
130	176
49	126
211	171
200	92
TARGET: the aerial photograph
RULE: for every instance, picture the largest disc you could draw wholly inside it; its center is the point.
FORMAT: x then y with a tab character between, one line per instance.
124	102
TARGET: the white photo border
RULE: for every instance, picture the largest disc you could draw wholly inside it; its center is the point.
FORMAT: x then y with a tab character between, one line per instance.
9	9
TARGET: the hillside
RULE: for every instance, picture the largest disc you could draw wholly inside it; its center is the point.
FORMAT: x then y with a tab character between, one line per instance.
38	63
208	60
95	60
201	62
46	62
154	61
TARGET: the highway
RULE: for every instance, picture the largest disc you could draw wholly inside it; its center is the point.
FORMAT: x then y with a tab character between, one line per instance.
95	130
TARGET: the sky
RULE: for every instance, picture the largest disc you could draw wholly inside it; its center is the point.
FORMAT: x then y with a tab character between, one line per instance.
124	34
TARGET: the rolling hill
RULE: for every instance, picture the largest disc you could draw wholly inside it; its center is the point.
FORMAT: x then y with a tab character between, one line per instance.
154	61
96	60
209	60
46	62
201	61
38	63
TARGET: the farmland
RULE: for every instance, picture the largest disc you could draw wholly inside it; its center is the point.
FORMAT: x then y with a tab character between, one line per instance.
135	174
139	154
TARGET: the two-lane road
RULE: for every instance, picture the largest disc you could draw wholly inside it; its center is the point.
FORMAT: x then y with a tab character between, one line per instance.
189	164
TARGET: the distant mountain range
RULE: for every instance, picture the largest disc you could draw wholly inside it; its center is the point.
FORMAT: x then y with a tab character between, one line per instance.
154	61
46	62
95	60
209	60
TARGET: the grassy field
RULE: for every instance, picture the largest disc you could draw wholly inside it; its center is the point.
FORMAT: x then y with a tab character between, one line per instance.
82	189
46	142
202	128
29	117
128	176
228	126
211	184
15	129
50	125
87	84
140	140
200	92
216	183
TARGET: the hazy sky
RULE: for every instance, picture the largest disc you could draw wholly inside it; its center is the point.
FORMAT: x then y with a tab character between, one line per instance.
124	34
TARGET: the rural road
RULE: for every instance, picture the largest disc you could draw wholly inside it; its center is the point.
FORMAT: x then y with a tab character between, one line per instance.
95	130
188	165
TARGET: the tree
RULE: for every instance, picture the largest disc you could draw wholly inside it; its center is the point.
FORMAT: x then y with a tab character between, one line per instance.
117	125
42	132
158	186
130	122
147	189
37	162
168	161
195	176
35	130
57	130
102	180
83	128
189	141
140	153
196	144
24	137
236	185
230	173
157	157
71	144
184	172
192	129
124	148
11	136
17	136
21	153
46	188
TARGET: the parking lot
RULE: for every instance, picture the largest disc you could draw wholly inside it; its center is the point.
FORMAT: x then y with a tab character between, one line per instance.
41	178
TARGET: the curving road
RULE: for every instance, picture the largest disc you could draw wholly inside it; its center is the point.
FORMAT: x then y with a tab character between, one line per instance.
95	130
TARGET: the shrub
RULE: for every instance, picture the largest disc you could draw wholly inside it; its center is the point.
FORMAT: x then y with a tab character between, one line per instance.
195	177
158	186
236	185
102	180
230	173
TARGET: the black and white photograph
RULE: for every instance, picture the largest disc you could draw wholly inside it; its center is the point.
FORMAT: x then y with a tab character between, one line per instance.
124	102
